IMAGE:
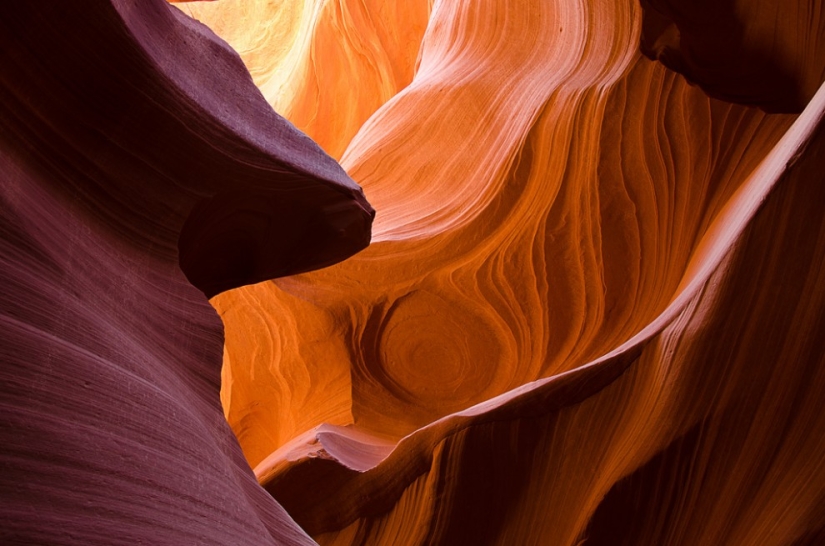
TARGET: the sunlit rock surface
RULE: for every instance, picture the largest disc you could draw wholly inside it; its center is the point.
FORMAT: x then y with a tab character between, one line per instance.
325	66
590	305
592	311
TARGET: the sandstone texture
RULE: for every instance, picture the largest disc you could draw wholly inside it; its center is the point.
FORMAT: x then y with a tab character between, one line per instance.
591	311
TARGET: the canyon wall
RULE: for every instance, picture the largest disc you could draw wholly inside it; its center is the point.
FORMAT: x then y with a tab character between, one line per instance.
141	171
591	311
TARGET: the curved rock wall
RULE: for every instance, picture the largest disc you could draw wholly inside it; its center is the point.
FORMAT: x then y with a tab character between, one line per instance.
563	322
591	312
135	152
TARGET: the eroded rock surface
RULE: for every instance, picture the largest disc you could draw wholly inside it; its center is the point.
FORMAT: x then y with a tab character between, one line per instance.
135	152
591	312
586	293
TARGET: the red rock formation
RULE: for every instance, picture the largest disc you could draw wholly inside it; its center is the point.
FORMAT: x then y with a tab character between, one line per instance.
553	326
591	313
325	66
130	138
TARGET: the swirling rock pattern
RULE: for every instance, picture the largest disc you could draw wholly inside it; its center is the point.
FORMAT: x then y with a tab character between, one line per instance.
591	312
577	307
326	66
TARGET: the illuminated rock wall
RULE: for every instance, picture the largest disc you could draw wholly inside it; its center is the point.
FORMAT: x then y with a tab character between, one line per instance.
571	323
591	311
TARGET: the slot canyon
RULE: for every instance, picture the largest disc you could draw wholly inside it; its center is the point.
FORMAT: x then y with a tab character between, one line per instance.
431	272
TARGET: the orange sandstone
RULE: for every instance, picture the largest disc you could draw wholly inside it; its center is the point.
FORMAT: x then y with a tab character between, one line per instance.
592	292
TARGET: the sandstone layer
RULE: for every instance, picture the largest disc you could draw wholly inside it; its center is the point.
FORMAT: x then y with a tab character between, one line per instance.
141	171
591	312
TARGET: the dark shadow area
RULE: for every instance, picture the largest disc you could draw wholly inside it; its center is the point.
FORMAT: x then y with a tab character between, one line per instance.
239	237
708	43
640	506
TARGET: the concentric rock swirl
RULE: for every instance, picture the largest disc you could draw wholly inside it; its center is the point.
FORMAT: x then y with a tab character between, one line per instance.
592	311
